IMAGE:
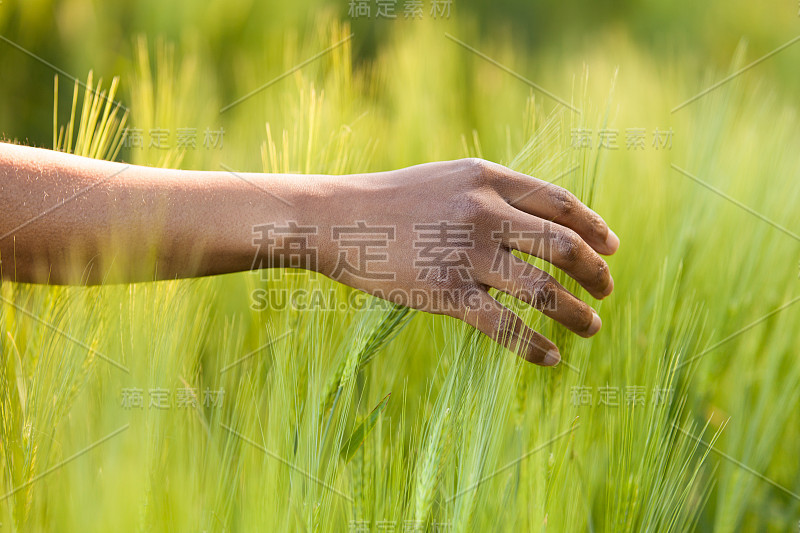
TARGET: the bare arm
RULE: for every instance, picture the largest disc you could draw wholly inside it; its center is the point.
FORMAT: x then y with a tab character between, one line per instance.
61	210
434	237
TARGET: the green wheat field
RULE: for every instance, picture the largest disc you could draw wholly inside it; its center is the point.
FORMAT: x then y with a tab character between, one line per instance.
191	406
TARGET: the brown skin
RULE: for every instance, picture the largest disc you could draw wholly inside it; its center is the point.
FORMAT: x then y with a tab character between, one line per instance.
67	219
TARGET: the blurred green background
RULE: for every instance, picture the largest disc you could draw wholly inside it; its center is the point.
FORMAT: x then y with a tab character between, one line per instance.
693	270
79	35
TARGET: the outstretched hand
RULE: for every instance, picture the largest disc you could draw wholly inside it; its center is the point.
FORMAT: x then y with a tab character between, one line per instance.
437	236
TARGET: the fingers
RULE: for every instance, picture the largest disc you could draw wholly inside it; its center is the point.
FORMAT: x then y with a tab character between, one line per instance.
555	203
539	289
507	329
558	245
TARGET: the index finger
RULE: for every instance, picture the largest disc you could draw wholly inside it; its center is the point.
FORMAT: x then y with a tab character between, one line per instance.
548	201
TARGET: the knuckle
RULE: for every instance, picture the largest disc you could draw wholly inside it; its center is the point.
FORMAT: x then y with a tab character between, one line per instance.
597	225
544	293
475	163
566	245
603	274
565	202
477	168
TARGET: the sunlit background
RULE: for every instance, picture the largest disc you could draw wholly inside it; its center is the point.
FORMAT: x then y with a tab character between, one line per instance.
677	121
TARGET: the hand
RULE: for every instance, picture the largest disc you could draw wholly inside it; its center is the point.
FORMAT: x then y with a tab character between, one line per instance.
437	236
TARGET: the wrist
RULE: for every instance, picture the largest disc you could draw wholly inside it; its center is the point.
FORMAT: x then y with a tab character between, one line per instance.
293	229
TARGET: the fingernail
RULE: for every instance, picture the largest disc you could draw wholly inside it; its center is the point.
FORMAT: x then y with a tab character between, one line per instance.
552	358
612	241
596	323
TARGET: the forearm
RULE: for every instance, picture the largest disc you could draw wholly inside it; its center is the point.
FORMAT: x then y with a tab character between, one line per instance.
67	219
